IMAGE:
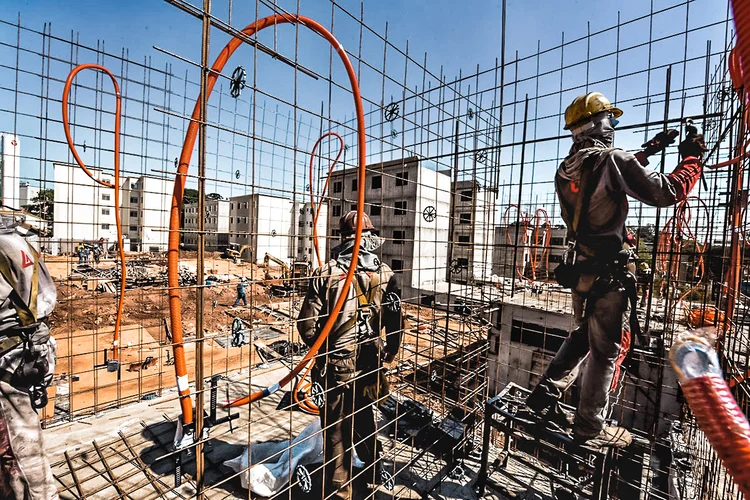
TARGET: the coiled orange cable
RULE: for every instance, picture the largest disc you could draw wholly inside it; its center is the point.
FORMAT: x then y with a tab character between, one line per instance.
675	234
173	261
306	404
115	185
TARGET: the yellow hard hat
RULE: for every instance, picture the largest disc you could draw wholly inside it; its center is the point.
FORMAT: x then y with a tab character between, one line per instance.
643	266
585	106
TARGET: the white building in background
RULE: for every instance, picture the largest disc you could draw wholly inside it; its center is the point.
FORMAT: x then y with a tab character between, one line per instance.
10	170
266	223
305	244
474	208
408	200
27	192
216	225
85	210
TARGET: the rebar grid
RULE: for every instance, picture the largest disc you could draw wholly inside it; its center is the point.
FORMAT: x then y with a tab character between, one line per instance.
466	208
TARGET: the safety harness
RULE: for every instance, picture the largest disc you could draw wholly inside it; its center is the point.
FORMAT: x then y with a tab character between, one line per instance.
32	371
610	272
362	319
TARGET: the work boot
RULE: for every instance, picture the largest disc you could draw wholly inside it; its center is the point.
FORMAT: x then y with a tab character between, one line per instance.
609	437
549	411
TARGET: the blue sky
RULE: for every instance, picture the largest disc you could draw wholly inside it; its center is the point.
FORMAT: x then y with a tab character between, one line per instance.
457	36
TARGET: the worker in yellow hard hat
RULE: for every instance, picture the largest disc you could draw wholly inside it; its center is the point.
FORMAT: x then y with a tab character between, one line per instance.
593	184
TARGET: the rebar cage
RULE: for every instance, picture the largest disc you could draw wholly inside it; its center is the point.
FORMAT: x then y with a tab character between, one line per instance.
459	182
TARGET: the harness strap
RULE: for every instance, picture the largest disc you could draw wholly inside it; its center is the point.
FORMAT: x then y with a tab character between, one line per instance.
26	311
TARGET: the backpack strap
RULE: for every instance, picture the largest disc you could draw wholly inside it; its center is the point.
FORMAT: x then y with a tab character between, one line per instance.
26	312
586	188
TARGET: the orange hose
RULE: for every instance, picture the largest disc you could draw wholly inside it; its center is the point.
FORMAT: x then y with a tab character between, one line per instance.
717	413
325	187
307	405
173	261
679	225
523	218
115	186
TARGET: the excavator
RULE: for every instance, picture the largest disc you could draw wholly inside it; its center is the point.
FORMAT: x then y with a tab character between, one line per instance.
293	278
234	251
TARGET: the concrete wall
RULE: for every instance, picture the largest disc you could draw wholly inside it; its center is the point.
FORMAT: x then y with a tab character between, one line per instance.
431	237
305	246
84	210
472	231
396	205
154	210
503	251
216	225
274	232
10	170
27	192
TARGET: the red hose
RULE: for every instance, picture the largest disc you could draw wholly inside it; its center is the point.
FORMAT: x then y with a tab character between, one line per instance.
115	186
173	261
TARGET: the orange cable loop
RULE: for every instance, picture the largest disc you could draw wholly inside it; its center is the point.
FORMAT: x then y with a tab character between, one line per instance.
325	186
306	404
115	185
173	261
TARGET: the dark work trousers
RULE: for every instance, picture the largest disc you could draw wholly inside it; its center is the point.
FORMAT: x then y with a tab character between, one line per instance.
348	421
602	336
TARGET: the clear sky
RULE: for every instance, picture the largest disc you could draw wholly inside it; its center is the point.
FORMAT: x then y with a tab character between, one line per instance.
457	36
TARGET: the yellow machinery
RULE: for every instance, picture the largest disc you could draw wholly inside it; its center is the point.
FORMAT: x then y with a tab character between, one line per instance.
234	251
294	277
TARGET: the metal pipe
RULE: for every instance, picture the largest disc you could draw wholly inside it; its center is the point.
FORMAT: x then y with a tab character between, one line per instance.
520	192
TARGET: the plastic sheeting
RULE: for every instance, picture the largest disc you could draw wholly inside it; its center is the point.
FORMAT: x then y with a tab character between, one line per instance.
276	461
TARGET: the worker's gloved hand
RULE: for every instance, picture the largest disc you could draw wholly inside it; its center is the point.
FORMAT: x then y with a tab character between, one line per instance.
693	145
660	142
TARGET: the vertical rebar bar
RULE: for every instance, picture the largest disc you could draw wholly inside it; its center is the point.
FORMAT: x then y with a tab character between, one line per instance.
520	193
201	238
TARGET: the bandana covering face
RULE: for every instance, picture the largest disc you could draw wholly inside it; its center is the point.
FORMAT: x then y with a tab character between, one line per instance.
367	259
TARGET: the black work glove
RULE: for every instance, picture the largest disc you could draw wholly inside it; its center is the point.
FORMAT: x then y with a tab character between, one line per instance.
693	145
660	142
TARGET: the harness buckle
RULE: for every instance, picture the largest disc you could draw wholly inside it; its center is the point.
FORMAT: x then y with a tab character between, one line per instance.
570	254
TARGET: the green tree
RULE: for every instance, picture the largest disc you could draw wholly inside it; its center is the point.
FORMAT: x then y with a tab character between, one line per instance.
190	196
42	205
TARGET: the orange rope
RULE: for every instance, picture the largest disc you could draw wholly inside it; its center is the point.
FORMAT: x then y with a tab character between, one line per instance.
115	185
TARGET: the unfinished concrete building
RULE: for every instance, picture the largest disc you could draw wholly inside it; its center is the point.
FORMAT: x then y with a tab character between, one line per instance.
455	168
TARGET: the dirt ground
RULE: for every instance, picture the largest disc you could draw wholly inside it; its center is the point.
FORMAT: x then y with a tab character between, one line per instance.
83	325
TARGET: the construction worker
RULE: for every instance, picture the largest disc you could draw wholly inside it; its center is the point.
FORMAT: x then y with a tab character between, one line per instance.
593	184
241	294
645	277
348	367
27	361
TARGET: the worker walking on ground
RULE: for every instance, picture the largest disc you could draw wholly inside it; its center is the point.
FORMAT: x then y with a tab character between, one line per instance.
27	363
593	184
241	294
348	365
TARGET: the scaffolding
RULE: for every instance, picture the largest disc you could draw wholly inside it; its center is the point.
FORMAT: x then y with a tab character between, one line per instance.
459	180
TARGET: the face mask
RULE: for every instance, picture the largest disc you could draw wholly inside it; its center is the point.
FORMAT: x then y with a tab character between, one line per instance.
613	121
